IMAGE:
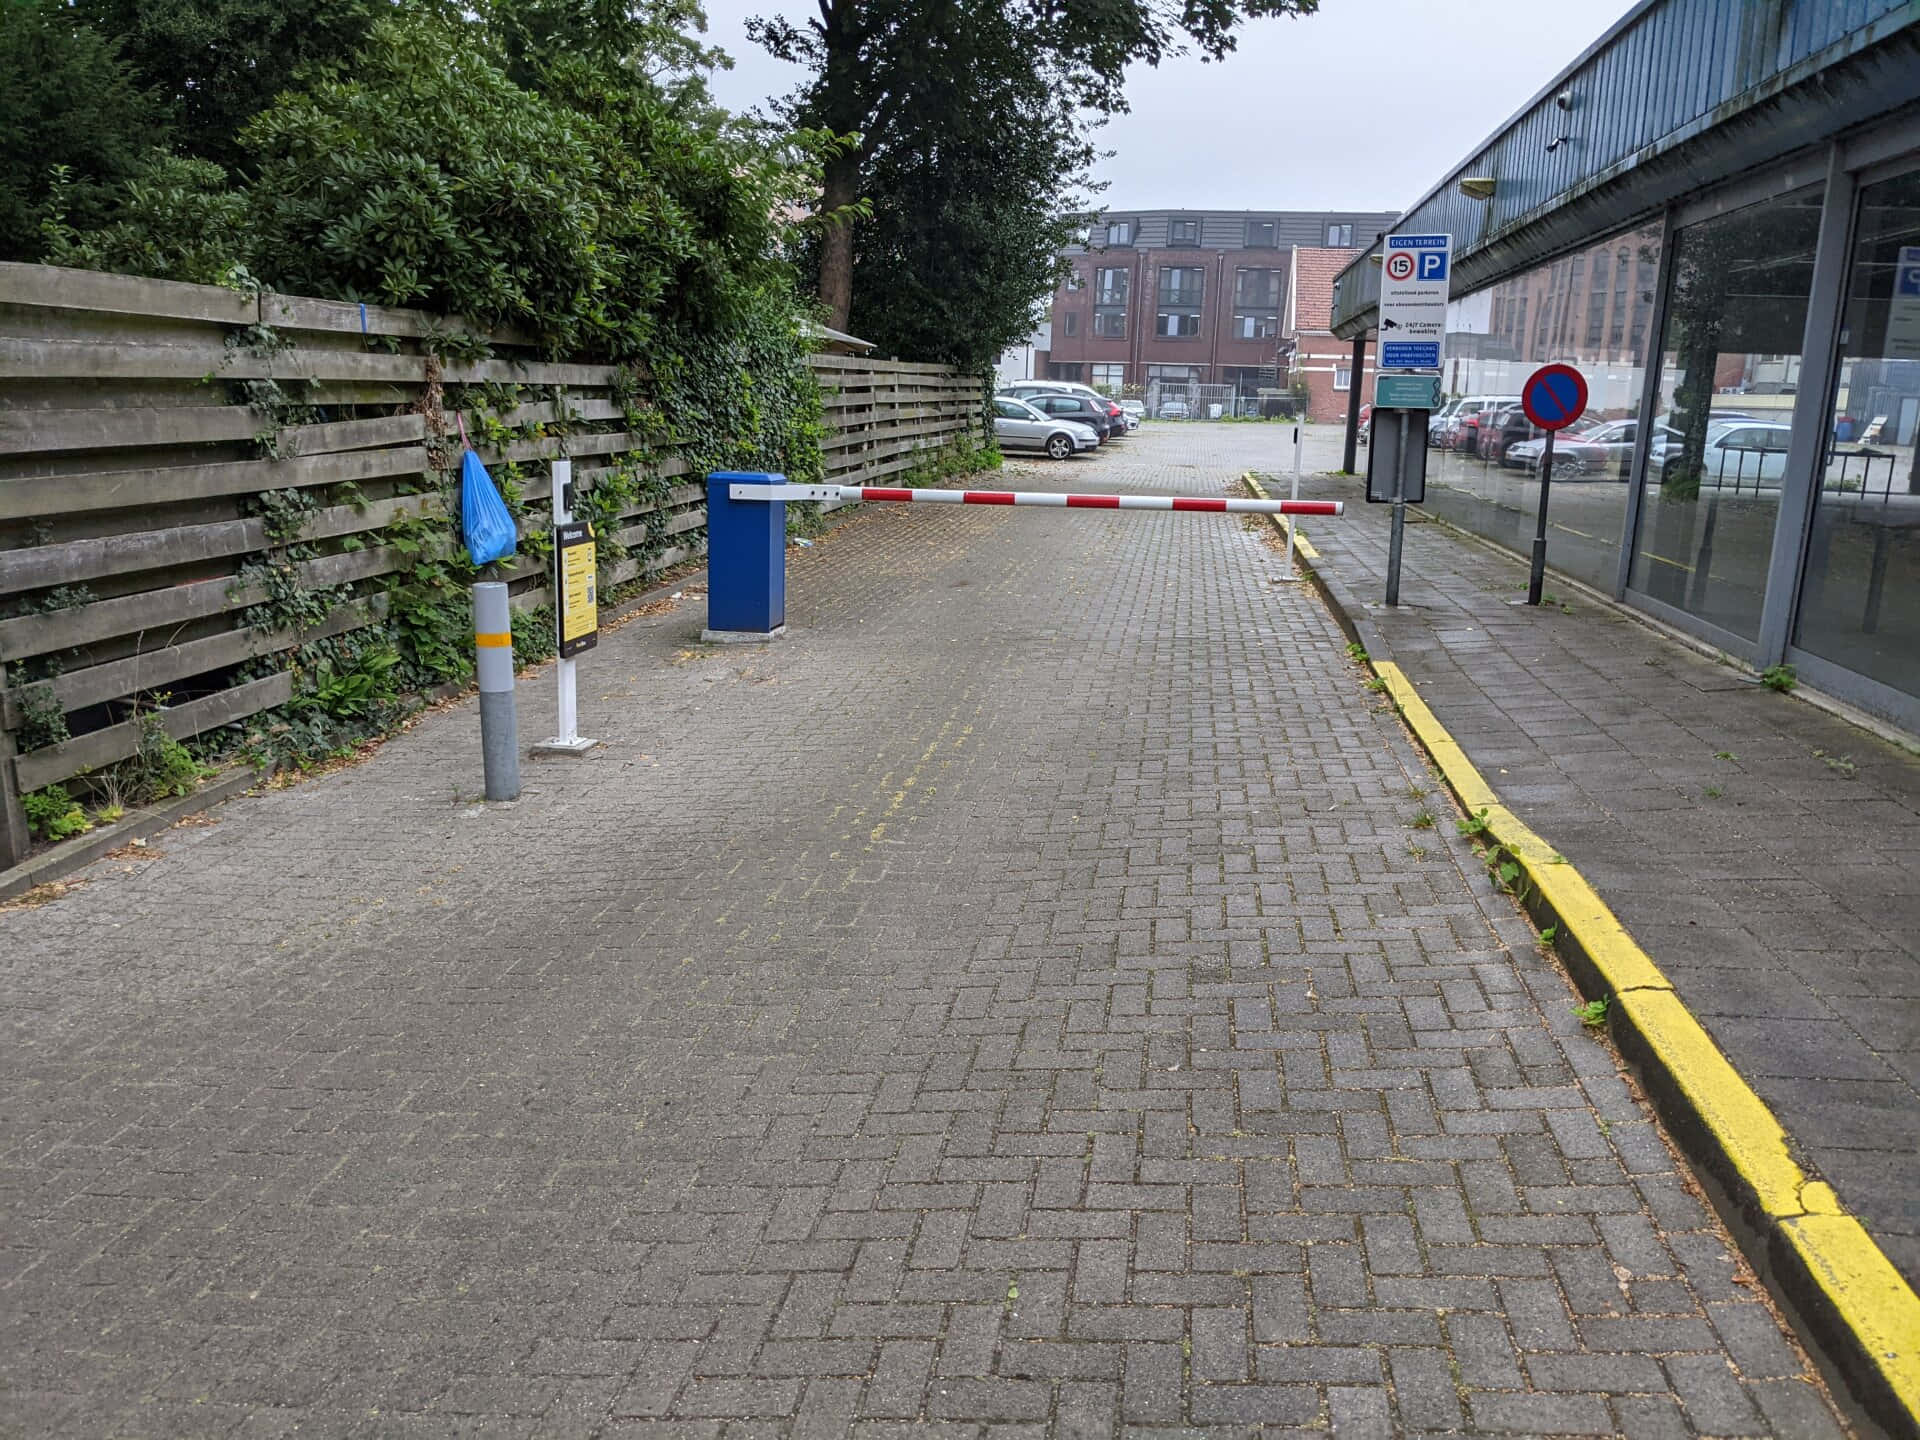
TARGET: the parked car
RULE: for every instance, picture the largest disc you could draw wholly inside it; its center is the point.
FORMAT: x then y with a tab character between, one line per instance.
1030	390
1174	409
1599	451
1439	421
1018	426
1463	426
1088	410
1136	412
1499	430
1737	453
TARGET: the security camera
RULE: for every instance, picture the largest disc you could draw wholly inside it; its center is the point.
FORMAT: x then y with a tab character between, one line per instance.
1564	99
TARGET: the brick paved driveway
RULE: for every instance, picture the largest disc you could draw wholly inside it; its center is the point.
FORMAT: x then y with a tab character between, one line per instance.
1018	999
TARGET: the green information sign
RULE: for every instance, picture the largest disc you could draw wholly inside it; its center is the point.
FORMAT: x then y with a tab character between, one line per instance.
1406	392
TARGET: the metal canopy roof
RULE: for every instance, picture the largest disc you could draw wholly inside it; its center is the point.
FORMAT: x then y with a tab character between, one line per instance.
1678	95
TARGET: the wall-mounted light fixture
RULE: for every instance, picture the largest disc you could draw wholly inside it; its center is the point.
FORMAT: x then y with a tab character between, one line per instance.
1477	187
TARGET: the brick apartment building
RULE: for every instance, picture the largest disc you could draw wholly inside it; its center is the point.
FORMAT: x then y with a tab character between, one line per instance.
1187	297
1322	359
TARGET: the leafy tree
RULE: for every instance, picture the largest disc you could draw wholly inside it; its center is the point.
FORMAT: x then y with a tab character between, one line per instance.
68	103
175	219
221	62
880	64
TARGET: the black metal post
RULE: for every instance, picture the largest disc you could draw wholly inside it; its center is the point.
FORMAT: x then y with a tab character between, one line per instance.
1539	572
1354	385
1394	536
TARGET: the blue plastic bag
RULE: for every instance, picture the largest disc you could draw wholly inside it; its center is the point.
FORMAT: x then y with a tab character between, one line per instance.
484	517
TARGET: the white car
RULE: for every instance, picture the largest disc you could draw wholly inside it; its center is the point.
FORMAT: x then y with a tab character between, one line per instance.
1174	410
1018	426
1135	411
1737	453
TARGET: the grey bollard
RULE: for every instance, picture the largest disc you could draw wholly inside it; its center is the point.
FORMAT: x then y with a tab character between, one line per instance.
493	660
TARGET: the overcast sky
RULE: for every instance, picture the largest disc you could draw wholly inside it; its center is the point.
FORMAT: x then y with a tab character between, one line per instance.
1362	106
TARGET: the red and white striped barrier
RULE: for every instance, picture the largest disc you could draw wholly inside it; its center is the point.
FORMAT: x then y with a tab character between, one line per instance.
1030	497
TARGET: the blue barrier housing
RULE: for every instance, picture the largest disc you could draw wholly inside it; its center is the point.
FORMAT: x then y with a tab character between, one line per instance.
746	558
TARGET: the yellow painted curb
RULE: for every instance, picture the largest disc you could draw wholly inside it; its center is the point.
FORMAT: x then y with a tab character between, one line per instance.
1855	1278
1283	523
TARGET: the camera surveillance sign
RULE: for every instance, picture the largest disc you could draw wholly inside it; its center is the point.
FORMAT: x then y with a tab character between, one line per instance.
1414	274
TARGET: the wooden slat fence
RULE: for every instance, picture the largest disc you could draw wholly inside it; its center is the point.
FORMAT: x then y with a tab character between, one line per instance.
160	442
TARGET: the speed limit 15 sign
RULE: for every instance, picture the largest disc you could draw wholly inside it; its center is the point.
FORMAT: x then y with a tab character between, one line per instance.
1415	274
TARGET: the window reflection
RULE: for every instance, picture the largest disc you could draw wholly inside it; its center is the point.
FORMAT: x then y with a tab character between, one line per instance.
1729	370
1483	472
1860	600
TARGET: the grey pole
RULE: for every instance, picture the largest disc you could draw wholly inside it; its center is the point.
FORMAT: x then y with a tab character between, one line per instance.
493	659
1538	574
1399	515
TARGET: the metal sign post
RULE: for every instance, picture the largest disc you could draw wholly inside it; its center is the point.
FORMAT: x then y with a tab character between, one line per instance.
1399	529
575	608
1553	398
1536	577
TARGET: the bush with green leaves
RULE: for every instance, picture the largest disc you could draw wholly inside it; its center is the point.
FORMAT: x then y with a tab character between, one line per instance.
54	815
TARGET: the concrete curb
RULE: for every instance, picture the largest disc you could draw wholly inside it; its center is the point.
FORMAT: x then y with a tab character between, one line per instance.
83	850
1858	1310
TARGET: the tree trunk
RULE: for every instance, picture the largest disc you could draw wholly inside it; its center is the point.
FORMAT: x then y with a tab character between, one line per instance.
841	188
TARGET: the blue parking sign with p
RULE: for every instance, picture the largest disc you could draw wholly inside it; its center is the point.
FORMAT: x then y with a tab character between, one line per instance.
1433	265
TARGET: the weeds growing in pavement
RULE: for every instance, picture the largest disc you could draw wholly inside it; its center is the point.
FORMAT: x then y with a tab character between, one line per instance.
1474	824
1358	652
1714	792
1422	821
1593	1014
1548	935
1780	677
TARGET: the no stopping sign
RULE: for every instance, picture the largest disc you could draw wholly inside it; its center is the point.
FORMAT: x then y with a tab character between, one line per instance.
1554	396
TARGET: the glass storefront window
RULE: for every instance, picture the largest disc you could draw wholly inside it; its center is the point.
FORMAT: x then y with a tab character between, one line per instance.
1483	467
1860	598
1729	369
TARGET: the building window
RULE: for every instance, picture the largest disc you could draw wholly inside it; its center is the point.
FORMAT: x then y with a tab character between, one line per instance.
1343	377
1256	326
1119	232
1177	324
1076	281
1070	322
1109	377
1181	285
1256	289
1340	237
1173	377
1616	333
1061	370
1183	232
1260	234
1110	324
1110	286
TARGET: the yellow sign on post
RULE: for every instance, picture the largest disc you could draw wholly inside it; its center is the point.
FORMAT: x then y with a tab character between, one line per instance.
575	586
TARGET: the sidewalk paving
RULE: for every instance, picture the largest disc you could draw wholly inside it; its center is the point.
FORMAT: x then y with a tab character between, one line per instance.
1013	1004
1766	854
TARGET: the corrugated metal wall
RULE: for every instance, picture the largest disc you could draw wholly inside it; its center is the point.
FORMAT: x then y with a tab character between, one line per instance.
1670	71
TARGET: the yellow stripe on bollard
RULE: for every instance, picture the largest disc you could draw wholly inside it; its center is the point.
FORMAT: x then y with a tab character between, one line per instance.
500	640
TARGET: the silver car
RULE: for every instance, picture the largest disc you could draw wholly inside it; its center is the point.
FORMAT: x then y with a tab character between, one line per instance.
1018	426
